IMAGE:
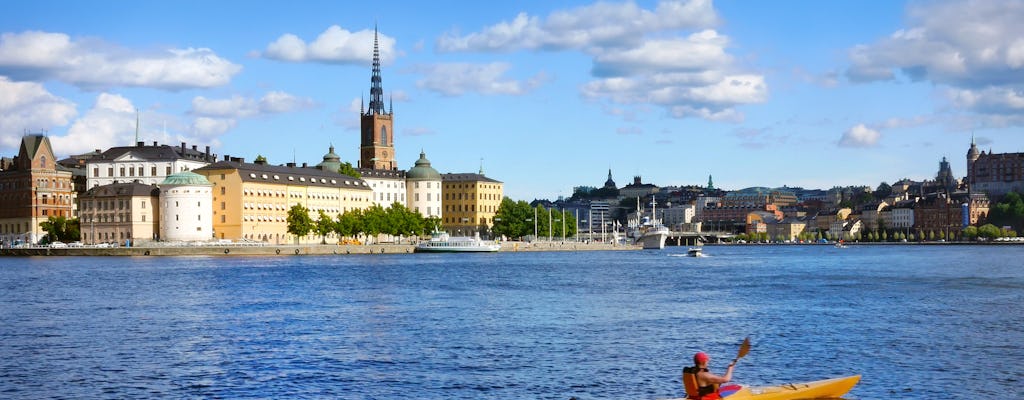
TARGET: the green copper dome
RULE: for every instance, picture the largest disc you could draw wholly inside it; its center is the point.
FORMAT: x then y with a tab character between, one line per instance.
423	171
186	178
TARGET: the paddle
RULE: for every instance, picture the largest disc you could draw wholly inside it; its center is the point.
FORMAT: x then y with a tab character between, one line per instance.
744	349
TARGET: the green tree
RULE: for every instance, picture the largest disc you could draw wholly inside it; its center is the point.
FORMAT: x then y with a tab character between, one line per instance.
347	169
59	228
971	232
299	222
349	223
883	191
513	219
374	220
323	226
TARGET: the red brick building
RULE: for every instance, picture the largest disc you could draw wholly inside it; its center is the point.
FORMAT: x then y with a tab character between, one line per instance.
32	189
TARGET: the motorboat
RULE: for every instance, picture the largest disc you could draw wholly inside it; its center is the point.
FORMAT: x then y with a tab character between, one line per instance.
442	242
695	252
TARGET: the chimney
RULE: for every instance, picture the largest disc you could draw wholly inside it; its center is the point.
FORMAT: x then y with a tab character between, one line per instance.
194	148
207	154
154	143
140	144
182	148
227	157
304	165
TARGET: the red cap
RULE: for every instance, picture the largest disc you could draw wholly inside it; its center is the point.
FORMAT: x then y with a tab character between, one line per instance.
700	357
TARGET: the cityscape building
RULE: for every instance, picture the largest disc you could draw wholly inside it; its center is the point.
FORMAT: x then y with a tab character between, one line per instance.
121	213
186	207
33	188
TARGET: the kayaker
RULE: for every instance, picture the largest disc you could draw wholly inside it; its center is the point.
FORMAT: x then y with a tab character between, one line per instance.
700	383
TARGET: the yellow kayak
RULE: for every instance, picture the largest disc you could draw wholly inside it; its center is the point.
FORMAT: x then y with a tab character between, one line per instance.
824	389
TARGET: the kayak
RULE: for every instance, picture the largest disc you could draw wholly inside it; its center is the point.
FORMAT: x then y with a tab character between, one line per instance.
824	389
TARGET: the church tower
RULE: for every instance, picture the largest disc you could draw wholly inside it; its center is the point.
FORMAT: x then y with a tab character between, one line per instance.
377	144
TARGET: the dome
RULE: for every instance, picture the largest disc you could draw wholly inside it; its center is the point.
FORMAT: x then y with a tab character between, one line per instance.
423	171
186	178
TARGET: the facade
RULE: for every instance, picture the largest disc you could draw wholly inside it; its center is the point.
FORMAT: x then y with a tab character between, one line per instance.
251	200
121	213
994	174
141	163
388	186
377	139
423	184
33	188
186	204
676	216
469	202
938	214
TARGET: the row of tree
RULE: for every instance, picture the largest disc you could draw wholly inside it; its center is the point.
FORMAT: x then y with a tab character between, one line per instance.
516	219
395	220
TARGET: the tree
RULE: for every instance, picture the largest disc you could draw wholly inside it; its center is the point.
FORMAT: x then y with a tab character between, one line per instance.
513	219
347	169
883	191
299	222
971	232
349	223
61	229
324	225
1008	212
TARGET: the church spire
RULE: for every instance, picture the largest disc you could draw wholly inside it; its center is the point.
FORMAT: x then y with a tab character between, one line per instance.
376	90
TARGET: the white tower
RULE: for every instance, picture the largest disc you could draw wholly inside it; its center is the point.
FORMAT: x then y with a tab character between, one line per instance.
186	207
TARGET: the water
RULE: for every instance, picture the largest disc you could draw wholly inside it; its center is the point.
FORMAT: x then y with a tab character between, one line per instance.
928	322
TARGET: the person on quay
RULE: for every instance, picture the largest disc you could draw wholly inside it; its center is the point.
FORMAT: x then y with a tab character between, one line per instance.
701	384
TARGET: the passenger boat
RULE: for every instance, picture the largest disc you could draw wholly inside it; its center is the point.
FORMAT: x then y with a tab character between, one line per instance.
441	242
824	389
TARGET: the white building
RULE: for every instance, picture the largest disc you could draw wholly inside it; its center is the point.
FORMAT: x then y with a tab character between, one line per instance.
186	207
388	186
141	163
423	184
676	216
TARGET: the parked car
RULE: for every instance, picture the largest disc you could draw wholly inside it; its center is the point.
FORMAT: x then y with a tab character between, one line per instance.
58	245
75	244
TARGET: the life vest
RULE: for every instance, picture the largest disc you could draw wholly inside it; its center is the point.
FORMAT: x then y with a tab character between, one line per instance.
693	389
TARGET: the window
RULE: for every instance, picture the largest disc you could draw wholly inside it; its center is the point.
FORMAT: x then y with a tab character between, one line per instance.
223	218
110	171
95	172
222	189
222	205
168	170
143	204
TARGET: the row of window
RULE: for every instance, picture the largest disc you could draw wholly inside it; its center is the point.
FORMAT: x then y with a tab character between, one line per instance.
104	205
131	171
470	208
469	196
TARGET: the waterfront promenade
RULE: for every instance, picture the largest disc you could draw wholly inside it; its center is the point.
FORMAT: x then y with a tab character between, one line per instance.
241	249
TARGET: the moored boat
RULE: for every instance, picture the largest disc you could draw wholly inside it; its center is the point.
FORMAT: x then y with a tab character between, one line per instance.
441	242
824	389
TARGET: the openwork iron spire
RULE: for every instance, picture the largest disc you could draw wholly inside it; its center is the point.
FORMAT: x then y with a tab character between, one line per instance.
376	90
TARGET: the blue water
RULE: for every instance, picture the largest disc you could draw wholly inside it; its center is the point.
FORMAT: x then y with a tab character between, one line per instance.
929	322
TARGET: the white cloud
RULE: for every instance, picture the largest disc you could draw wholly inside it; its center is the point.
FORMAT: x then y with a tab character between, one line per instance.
640	56
972	46
452	79
92	64
110	122
216	116
859	136
600	24
333	45
27	106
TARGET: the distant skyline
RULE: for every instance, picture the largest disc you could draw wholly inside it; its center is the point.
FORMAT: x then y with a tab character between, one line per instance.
543	95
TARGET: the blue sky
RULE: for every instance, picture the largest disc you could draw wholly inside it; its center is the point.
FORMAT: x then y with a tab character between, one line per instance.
545	95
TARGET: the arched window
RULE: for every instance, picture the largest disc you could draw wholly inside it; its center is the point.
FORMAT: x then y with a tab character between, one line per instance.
383	136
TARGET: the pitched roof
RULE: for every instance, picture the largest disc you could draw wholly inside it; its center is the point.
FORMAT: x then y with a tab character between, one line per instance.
466	177
311	176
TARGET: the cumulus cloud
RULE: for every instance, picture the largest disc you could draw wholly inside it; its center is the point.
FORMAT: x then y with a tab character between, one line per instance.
334	45
216	116
972	46
600	24
860	136
93	64
28	106
667	56
452	79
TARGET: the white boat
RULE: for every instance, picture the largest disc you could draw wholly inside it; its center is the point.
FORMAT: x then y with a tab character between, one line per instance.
441	242
695	252
653	237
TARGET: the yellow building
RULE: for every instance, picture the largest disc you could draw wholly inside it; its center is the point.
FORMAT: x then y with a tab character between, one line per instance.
122	213
469	203
251	200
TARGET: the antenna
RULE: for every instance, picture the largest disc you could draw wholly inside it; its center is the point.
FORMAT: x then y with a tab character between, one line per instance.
137	122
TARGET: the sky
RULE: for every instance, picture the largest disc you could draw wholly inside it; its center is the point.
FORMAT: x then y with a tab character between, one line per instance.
541	95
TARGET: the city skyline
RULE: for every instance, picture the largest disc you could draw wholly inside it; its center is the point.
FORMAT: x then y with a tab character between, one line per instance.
543	97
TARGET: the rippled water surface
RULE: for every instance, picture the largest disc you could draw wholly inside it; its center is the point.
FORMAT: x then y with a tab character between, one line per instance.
930	322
